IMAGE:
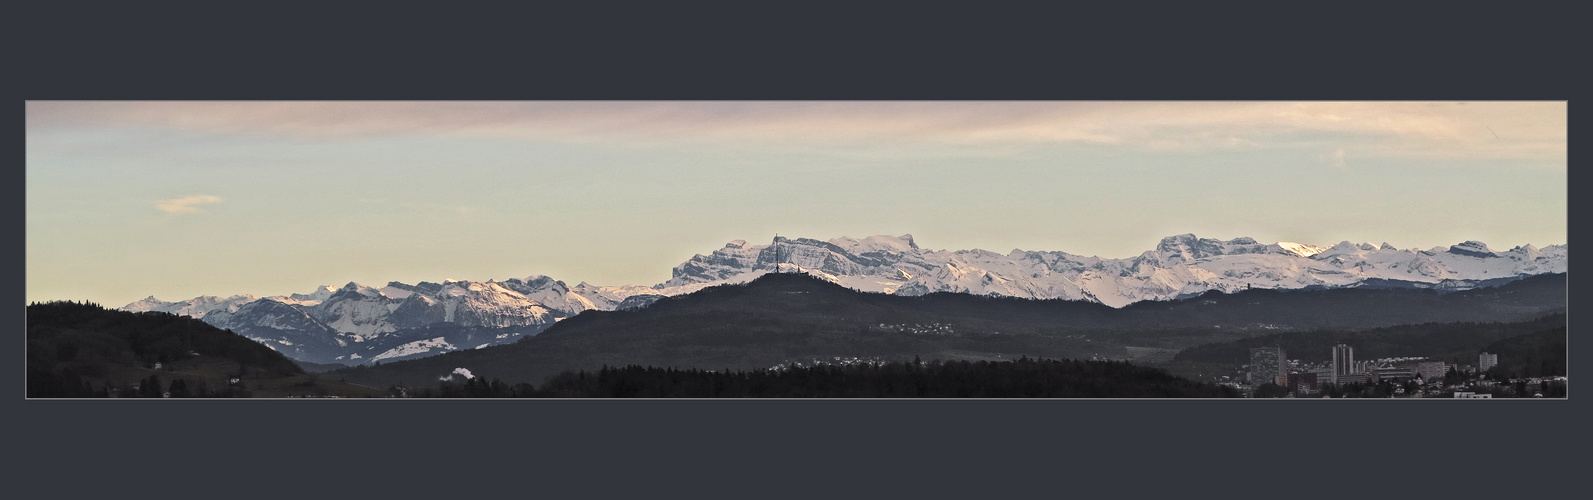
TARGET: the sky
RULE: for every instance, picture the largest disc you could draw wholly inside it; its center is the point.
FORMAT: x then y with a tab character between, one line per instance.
179	199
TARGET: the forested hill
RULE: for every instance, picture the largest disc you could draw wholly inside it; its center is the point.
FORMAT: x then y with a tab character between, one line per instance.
78	349
793	317
1452	342
1021	378
1540	354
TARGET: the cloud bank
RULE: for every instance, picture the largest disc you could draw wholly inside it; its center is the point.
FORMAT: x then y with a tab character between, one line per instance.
187	204
1530	130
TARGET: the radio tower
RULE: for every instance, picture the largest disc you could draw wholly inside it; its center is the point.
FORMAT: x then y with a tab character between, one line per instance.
776	252
780	258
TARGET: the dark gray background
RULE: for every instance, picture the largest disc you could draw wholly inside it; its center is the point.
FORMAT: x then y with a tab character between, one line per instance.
799	448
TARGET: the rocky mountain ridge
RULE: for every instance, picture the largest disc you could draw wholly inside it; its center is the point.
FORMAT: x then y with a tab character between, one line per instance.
357	323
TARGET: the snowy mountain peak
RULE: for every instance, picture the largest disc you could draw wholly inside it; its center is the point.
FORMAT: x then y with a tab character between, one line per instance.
1343	247
1176	241
1184	265
1300	249
318	295
197	307
357	288
1185	248
146	304
878	243
1528	252
539	282
1180	266
1472	248
397	290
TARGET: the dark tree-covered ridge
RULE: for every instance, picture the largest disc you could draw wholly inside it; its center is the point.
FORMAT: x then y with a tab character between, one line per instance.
1440	341
1023	378
72	345
783	317
1541	354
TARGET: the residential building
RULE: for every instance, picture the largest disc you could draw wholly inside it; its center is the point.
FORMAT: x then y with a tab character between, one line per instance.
1354	378
1486	361
1432	370
1323	375
1343	362
1303	383
1268	365
1393	373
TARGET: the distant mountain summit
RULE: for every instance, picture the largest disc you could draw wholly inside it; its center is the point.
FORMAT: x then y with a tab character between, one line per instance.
1179	266
357	323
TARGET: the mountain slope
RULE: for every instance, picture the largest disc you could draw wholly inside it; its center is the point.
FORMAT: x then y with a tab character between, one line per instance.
1446	341
357	323
70	345
1180	266
782	318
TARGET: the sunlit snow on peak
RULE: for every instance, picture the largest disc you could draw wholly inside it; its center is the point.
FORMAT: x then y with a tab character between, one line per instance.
1301	249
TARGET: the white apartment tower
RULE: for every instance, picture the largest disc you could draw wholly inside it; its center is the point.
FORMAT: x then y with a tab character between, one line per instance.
1343	362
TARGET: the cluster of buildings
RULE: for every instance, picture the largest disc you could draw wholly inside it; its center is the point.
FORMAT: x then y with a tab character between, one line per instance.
1272	365
833	361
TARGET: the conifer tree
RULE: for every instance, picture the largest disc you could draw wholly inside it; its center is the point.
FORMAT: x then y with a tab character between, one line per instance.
151	388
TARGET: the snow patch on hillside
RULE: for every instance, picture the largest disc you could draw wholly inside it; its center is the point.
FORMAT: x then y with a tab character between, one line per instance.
416	347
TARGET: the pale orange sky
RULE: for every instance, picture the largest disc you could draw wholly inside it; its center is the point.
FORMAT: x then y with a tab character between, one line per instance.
178	199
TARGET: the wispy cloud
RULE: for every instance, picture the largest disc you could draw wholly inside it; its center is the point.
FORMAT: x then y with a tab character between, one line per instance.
187	204
1496	129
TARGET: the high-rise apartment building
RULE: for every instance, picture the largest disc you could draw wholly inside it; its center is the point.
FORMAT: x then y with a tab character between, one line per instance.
1432	370
1343	362
1268	365
1486	361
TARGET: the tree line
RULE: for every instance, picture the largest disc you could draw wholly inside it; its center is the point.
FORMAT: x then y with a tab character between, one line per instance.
1023	378
82	349
1455	342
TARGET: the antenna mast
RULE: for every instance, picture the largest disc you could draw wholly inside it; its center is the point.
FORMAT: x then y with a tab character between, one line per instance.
780	258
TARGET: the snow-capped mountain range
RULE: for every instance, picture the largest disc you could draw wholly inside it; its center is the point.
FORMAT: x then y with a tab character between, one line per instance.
357	323
1180	266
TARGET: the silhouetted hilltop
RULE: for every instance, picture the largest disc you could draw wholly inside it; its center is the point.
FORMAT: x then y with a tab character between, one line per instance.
80	350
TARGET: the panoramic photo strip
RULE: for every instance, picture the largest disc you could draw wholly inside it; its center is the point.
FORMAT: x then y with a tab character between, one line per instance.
796	249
